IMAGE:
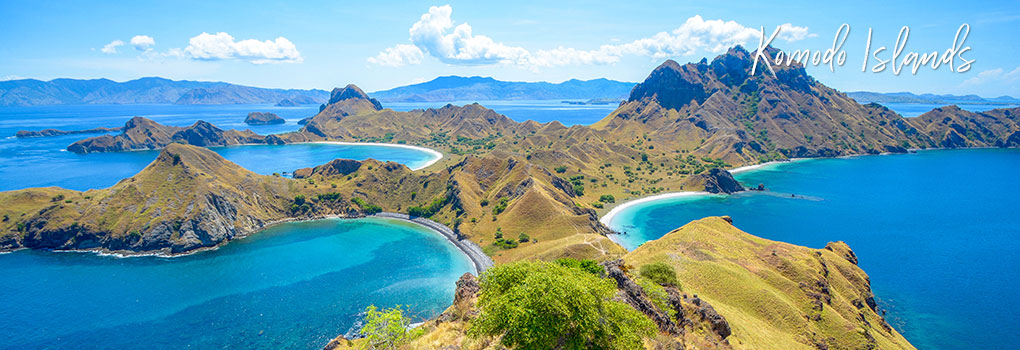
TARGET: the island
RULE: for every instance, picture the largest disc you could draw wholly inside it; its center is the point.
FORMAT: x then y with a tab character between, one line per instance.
263	118
529	195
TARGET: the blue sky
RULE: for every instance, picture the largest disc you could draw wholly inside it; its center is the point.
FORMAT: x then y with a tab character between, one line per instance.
383	44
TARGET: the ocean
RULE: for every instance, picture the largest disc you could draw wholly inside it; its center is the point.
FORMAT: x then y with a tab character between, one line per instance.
293	286
937	232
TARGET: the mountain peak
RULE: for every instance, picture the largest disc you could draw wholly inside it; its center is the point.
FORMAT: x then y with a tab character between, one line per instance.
350	92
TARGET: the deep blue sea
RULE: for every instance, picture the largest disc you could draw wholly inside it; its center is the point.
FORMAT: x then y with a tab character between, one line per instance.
938	232
293	286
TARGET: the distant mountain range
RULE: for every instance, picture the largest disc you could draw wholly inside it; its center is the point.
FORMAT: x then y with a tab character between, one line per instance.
456	88
31	92
155	90
906	97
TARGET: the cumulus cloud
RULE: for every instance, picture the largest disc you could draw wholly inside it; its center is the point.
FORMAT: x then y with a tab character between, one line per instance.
397	56
436	34
142	42
111	48
221	46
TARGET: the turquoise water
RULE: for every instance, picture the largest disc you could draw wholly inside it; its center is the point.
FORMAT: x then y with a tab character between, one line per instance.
937	231
296	285
38	162
43	161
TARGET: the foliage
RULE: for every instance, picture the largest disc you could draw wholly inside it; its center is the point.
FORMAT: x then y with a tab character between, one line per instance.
523	237
597	205
607	198
660	273
506	243
329	197
366	207
540	305
300	205
560	169
587	265
428	210
500	206
387	329
579	190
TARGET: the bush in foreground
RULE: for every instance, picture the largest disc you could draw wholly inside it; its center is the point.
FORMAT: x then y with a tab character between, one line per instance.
387	329
540	305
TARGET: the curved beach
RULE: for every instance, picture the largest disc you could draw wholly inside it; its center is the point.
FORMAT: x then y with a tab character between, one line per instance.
606	219
762	165
474	253
435	154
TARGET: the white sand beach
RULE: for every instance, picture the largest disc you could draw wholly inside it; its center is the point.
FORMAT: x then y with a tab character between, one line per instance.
606	219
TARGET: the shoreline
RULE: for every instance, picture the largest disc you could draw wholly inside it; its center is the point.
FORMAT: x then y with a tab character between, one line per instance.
608	217
437	156
470	250
746	168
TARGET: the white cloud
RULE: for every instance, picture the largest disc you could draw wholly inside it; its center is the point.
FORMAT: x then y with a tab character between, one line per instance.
111	48
11	77
436	35
143	42
398	56
991	76
221	46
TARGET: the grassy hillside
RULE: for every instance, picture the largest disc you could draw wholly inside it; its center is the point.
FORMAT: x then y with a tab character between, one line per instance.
774	295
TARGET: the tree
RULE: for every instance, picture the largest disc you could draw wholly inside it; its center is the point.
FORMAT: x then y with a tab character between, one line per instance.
387	329
540	305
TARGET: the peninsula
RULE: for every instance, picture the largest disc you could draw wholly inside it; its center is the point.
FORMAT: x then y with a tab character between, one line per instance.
526	191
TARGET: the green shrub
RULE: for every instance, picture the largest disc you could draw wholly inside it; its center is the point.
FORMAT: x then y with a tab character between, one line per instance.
523	237
329	197
539	305
597	205
587	265
561	169
387	329
366	207
607	198
660	273
579	190
500	206
508	243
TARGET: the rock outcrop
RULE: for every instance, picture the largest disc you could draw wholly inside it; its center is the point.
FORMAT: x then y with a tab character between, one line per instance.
260	118
715	180
633	295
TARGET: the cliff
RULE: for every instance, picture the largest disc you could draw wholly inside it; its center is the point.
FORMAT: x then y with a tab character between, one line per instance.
188	198
773	295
